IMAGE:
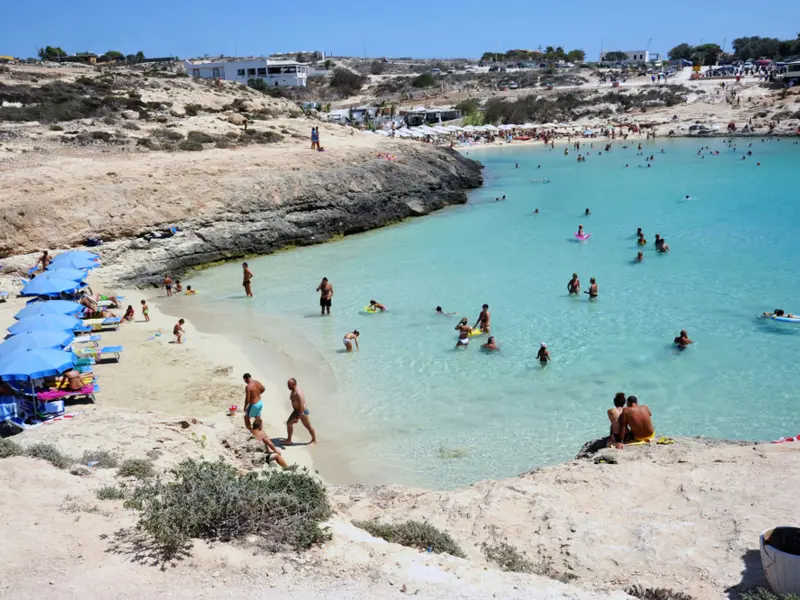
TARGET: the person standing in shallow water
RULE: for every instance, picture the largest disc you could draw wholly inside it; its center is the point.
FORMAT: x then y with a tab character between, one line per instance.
299	412
247	275
325	289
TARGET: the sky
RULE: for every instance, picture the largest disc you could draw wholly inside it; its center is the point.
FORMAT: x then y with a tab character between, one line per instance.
416	28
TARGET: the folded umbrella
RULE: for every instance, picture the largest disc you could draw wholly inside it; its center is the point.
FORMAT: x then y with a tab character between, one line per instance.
31	340
46	323
49	287
50	307
34	364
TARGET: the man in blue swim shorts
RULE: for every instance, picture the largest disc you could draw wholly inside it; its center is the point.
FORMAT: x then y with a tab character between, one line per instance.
252	399
299	412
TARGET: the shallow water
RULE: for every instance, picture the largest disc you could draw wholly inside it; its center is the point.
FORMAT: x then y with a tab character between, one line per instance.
415	411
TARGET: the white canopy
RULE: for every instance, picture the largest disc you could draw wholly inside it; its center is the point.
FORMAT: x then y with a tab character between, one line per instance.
440	129
489	128
470	128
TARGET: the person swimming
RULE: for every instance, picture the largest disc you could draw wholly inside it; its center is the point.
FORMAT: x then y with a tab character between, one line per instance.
536	212
490	344
375	306
587	213
439	311
682	341
641	241
778	312
639	257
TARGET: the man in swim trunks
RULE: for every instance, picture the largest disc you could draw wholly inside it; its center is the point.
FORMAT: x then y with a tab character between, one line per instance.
543	355
350	339
299	412
325	290
615	437
252	399
484	319
247	275
662	246
463	330
638	419
168	285
593	289
273	454
574	285
44	260
683	341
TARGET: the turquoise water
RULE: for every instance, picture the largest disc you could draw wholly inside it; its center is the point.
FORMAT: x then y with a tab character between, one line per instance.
413	410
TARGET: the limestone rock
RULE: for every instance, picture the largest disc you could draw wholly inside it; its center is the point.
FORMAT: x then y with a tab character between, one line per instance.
130	115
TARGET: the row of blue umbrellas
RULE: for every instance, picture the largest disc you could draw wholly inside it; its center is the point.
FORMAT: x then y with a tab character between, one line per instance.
35	348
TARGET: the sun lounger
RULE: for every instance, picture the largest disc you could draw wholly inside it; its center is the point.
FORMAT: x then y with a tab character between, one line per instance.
100	324
87	391
62	383
104	353
87	339
9	408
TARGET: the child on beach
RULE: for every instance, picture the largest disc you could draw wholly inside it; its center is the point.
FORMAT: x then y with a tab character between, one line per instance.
190	291
145	312
129	313
178	332
178	286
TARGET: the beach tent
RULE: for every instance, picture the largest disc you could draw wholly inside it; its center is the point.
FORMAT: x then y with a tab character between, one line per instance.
470	128
453	128
46	323
415	133
35	364
64	273
51	307
33	340
489	128
46	286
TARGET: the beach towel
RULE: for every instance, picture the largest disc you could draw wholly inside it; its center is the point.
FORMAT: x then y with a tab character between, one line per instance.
86	391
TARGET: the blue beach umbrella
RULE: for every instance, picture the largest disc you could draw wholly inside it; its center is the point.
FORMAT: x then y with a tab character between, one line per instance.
76	254
51	307
34	364
64	273
46	323
35	339
73	263
49	287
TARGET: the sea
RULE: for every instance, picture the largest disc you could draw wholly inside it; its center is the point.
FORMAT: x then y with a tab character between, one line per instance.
410	408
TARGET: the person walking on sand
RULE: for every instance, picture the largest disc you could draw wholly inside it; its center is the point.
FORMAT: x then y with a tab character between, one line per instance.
350	339
325	289
178	332
314	138
252	399
273	454
145	311
168	285
299	412
247	275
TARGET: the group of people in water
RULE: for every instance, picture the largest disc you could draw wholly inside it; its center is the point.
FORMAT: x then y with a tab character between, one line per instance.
660	244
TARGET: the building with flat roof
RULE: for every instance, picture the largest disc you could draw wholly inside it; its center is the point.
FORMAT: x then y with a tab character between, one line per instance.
275	73
644	56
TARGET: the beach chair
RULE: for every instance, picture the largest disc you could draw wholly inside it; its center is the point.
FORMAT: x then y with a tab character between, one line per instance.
9	408
101	324
86	392
104	353
87	339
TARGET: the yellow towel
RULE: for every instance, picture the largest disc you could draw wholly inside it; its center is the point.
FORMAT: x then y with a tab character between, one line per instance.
646	440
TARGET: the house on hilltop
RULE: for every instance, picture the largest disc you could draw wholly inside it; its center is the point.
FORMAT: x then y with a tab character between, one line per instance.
282	73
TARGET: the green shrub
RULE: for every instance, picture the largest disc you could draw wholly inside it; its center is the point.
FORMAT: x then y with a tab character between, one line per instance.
223	142
110	492
763	594
260	137
49	453
102	459
507	557
102	136
9	448
414	534
136	467
56	128
190	146
346	82
192	110
200	137
212	501
165	133
425	80
638	591
148	143
130	125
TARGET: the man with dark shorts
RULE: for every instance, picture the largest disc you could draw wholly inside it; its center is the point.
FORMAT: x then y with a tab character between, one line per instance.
247	275
299	412
168	284
325	290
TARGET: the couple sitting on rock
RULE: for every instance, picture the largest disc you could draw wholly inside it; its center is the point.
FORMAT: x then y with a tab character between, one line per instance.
631	423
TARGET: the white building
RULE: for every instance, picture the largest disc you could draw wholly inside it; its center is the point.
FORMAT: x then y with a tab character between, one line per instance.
634	55
282	73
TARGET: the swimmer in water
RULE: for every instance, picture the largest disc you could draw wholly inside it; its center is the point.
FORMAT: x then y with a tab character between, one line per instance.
536	212
593	289
587	213
543	355
639	257
490	344
574	285
683	341
439	311
687	198
641	241
484	321
463	330
780	313
580	231
662	246
658	241
373	305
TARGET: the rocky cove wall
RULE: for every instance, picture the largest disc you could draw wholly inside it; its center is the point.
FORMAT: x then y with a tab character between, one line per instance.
264	210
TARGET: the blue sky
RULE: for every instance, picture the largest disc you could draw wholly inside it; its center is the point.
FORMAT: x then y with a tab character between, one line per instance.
418	28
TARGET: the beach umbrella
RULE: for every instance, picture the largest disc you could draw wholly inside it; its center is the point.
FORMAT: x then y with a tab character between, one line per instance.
49	287
72	263
51	307
35	339
35	364
81	254
64	273
46	323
